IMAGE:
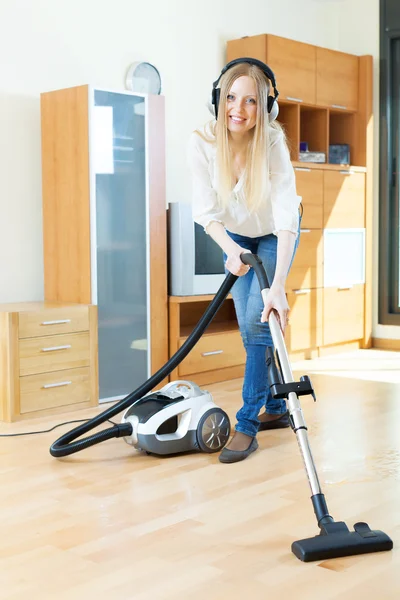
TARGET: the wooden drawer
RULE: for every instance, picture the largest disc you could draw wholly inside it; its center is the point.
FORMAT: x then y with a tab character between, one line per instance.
337	79
214	351
52	390
343	319
305	320
52	321
307	267
344	199
310	186
52	353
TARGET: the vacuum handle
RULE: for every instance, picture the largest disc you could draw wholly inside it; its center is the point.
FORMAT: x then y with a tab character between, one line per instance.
253	260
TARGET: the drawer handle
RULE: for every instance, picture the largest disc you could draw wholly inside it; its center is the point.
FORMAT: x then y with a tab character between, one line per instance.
345	287
303	169
294	99
347	172
212	353
339	106
58	322
53	385
305	230
54	348
301	292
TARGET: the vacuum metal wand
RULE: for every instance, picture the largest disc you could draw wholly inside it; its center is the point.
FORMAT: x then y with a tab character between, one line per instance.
295	412
334	539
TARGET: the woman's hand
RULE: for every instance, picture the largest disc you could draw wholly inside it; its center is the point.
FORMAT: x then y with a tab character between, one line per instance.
234	263
276	300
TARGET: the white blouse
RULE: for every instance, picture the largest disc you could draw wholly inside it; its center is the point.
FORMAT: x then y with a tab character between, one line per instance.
280	209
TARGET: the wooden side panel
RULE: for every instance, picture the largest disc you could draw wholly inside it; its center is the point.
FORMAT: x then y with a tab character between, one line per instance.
9	366
366	140
158	233
65	181
5	383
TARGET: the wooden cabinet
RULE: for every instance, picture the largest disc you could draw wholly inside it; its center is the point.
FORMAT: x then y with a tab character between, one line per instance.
310	186
337	79
48	358
219	354
344	199
104	223
343	319
293	63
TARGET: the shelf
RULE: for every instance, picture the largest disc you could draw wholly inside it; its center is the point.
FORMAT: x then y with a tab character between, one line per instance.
314	128
212	329
189	299
328	166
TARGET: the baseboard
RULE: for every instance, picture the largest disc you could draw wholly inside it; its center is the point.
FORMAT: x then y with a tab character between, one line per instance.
385	344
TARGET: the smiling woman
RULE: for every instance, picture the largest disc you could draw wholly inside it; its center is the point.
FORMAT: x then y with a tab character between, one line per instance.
244	195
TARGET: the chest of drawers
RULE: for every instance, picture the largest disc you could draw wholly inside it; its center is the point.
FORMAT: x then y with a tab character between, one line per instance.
48	359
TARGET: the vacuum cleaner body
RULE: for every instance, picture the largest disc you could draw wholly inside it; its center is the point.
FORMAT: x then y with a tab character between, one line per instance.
180	417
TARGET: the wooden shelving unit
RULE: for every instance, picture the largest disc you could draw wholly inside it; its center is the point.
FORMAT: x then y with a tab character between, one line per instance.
325	98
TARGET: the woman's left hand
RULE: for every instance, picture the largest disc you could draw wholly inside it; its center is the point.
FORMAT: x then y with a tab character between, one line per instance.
276	300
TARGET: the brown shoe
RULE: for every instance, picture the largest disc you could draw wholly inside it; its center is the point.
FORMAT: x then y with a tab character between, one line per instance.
280	423
231	456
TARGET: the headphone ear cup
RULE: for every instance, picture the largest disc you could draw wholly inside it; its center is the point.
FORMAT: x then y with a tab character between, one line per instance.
273	108
215	100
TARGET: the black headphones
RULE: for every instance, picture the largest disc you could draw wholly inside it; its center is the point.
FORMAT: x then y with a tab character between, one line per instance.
272	105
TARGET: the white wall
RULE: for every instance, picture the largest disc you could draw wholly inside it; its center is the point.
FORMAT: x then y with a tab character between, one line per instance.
50	44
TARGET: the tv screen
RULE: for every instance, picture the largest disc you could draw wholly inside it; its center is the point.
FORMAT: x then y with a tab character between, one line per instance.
209	258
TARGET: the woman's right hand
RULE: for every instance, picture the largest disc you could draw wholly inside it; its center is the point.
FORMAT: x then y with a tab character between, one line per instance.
234	263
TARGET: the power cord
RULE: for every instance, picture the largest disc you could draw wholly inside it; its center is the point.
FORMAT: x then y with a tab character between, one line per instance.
48	430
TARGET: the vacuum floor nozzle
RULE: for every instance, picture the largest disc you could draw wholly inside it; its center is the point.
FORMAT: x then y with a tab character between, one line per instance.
342	543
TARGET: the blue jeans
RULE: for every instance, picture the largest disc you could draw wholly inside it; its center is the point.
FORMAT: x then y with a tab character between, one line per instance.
256	336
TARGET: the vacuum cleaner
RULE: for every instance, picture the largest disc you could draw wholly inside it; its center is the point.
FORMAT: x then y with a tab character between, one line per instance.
334	539
178	418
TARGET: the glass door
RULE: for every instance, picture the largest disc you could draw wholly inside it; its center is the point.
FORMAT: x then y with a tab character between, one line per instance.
119	163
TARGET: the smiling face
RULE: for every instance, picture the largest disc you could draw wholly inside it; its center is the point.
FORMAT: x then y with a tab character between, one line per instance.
241	105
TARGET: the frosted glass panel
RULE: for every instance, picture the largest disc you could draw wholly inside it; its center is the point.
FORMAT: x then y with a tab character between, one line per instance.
121	230
344	257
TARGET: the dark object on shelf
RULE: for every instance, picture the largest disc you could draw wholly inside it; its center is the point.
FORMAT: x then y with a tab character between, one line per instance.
303	146
339	154
315	157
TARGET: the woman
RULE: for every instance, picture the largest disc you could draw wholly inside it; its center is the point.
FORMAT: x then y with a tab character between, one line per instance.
245	198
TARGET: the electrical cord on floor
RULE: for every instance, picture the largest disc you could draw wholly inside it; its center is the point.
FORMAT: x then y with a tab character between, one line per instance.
48	430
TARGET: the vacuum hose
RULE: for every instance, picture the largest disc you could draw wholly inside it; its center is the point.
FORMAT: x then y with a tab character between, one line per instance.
66	445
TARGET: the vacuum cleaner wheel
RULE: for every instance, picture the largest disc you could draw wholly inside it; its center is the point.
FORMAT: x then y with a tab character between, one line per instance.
213	430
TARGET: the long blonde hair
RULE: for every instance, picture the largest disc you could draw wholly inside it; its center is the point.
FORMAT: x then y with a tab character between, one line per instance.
256	176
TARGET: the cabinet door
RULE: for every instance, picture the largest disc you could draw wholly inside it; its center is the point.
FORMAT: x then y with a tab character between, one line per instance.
305	326
343	319
344	199
293	63
337	79
294	66
310	186
307	268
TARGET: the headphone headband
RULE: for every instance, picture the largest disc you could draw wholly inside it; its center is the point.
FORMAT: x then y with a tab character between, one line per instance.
251	61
